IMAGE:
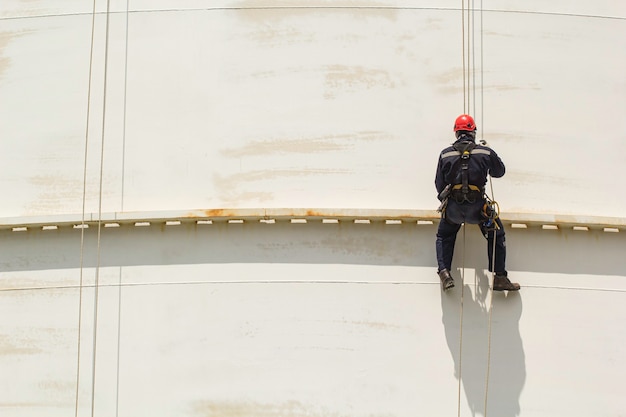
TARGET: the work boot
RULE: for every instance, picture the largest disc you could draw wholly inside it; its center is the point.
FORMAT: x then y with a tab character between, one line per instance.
446	280
502	283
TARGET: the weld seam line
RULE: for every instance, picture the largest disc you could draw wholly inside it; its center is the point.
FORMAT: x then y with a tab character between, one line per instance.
209	9
290	282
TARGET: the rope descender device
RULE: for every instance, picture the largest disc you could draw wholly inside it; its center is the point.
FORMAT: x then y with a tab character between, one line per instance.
491	212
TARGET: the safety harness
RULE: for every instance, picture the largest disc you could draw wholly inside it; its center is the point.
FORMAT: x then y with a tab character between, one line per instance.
465	192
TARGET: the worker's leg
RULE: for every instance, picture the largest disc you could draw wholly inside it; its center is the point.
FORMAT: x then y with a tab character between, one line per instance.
446	238
500	249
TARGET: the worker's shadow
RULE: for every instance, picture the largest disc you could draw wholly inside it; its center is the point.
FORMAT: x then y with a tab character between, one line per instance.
492	369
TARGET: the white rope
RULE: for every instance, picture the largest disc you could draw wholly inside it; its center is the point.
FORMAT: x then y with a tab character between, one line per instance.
461	327
482	76
468	49
474	58
97	276
119	294
465	110
125	106
469	96
493	253
493	275
82	229
463	49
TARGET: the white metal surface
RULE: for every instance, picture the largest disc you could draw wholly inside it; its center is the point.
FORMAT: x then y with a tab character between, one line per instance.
274	109
324	319
287	106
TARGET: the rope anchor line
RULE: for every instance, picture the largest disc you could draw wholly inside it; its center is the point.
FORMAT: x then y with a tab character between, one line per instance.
84	198
468	55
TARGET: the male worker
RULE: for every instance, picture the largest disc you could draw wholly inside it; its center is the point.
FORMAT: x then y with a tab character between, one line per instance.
460	181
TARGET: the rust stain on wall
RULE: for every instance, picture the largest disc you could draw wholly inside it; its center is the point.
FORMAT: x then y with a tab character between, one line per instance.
454	75
376	325
4	61
277	35
5	39
280	9
231	193
280	21
10	346
218	213
451	82
501	34
313	213
511	87
261	175
343	78
256	409
57	386
306	145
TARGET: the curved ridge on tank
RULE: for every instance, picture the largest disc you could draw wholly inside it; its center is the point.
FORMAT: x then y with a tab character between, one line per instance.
227	208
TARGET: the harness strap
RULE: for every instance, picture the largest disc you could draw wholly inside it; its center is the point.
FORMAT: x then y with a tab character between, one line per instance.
472	187
465	148
473	193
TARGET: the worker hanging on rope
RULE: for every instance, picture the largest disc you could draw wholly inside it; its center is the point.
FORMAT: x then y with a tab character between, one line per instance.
461	177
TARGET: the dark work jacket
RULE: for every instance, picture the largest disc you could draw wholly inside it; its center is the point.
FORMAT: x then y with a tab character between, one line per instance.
483	161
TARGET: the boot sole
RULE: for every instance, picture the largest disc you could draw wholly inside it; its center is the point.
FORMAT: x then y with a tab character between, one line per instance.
446	286
507	289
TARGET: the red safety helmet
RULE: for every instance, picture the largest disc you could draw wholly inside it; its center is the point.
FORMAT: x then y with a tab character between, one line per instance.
464	122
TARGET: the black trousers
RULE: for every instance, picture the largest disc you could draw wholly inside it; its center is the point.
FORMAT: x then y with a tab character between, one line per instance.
446	238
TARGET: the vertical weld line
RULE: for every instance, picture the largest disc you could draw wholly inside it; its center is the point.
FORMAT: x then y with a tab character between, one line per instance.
82	222
97	277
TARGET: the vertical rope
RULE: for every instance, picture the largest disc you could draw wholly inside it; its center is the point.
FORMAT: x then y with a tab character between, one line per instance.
465	110
493	266
97	277
119	294
82	222
493	253
482	76
468	49
124	109
461	327
473	59
469	94
463	49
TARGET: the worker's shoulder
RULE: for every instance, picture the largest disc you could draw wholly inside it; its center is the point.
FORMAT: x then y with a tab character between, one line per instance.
448	151
451	151
482	149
